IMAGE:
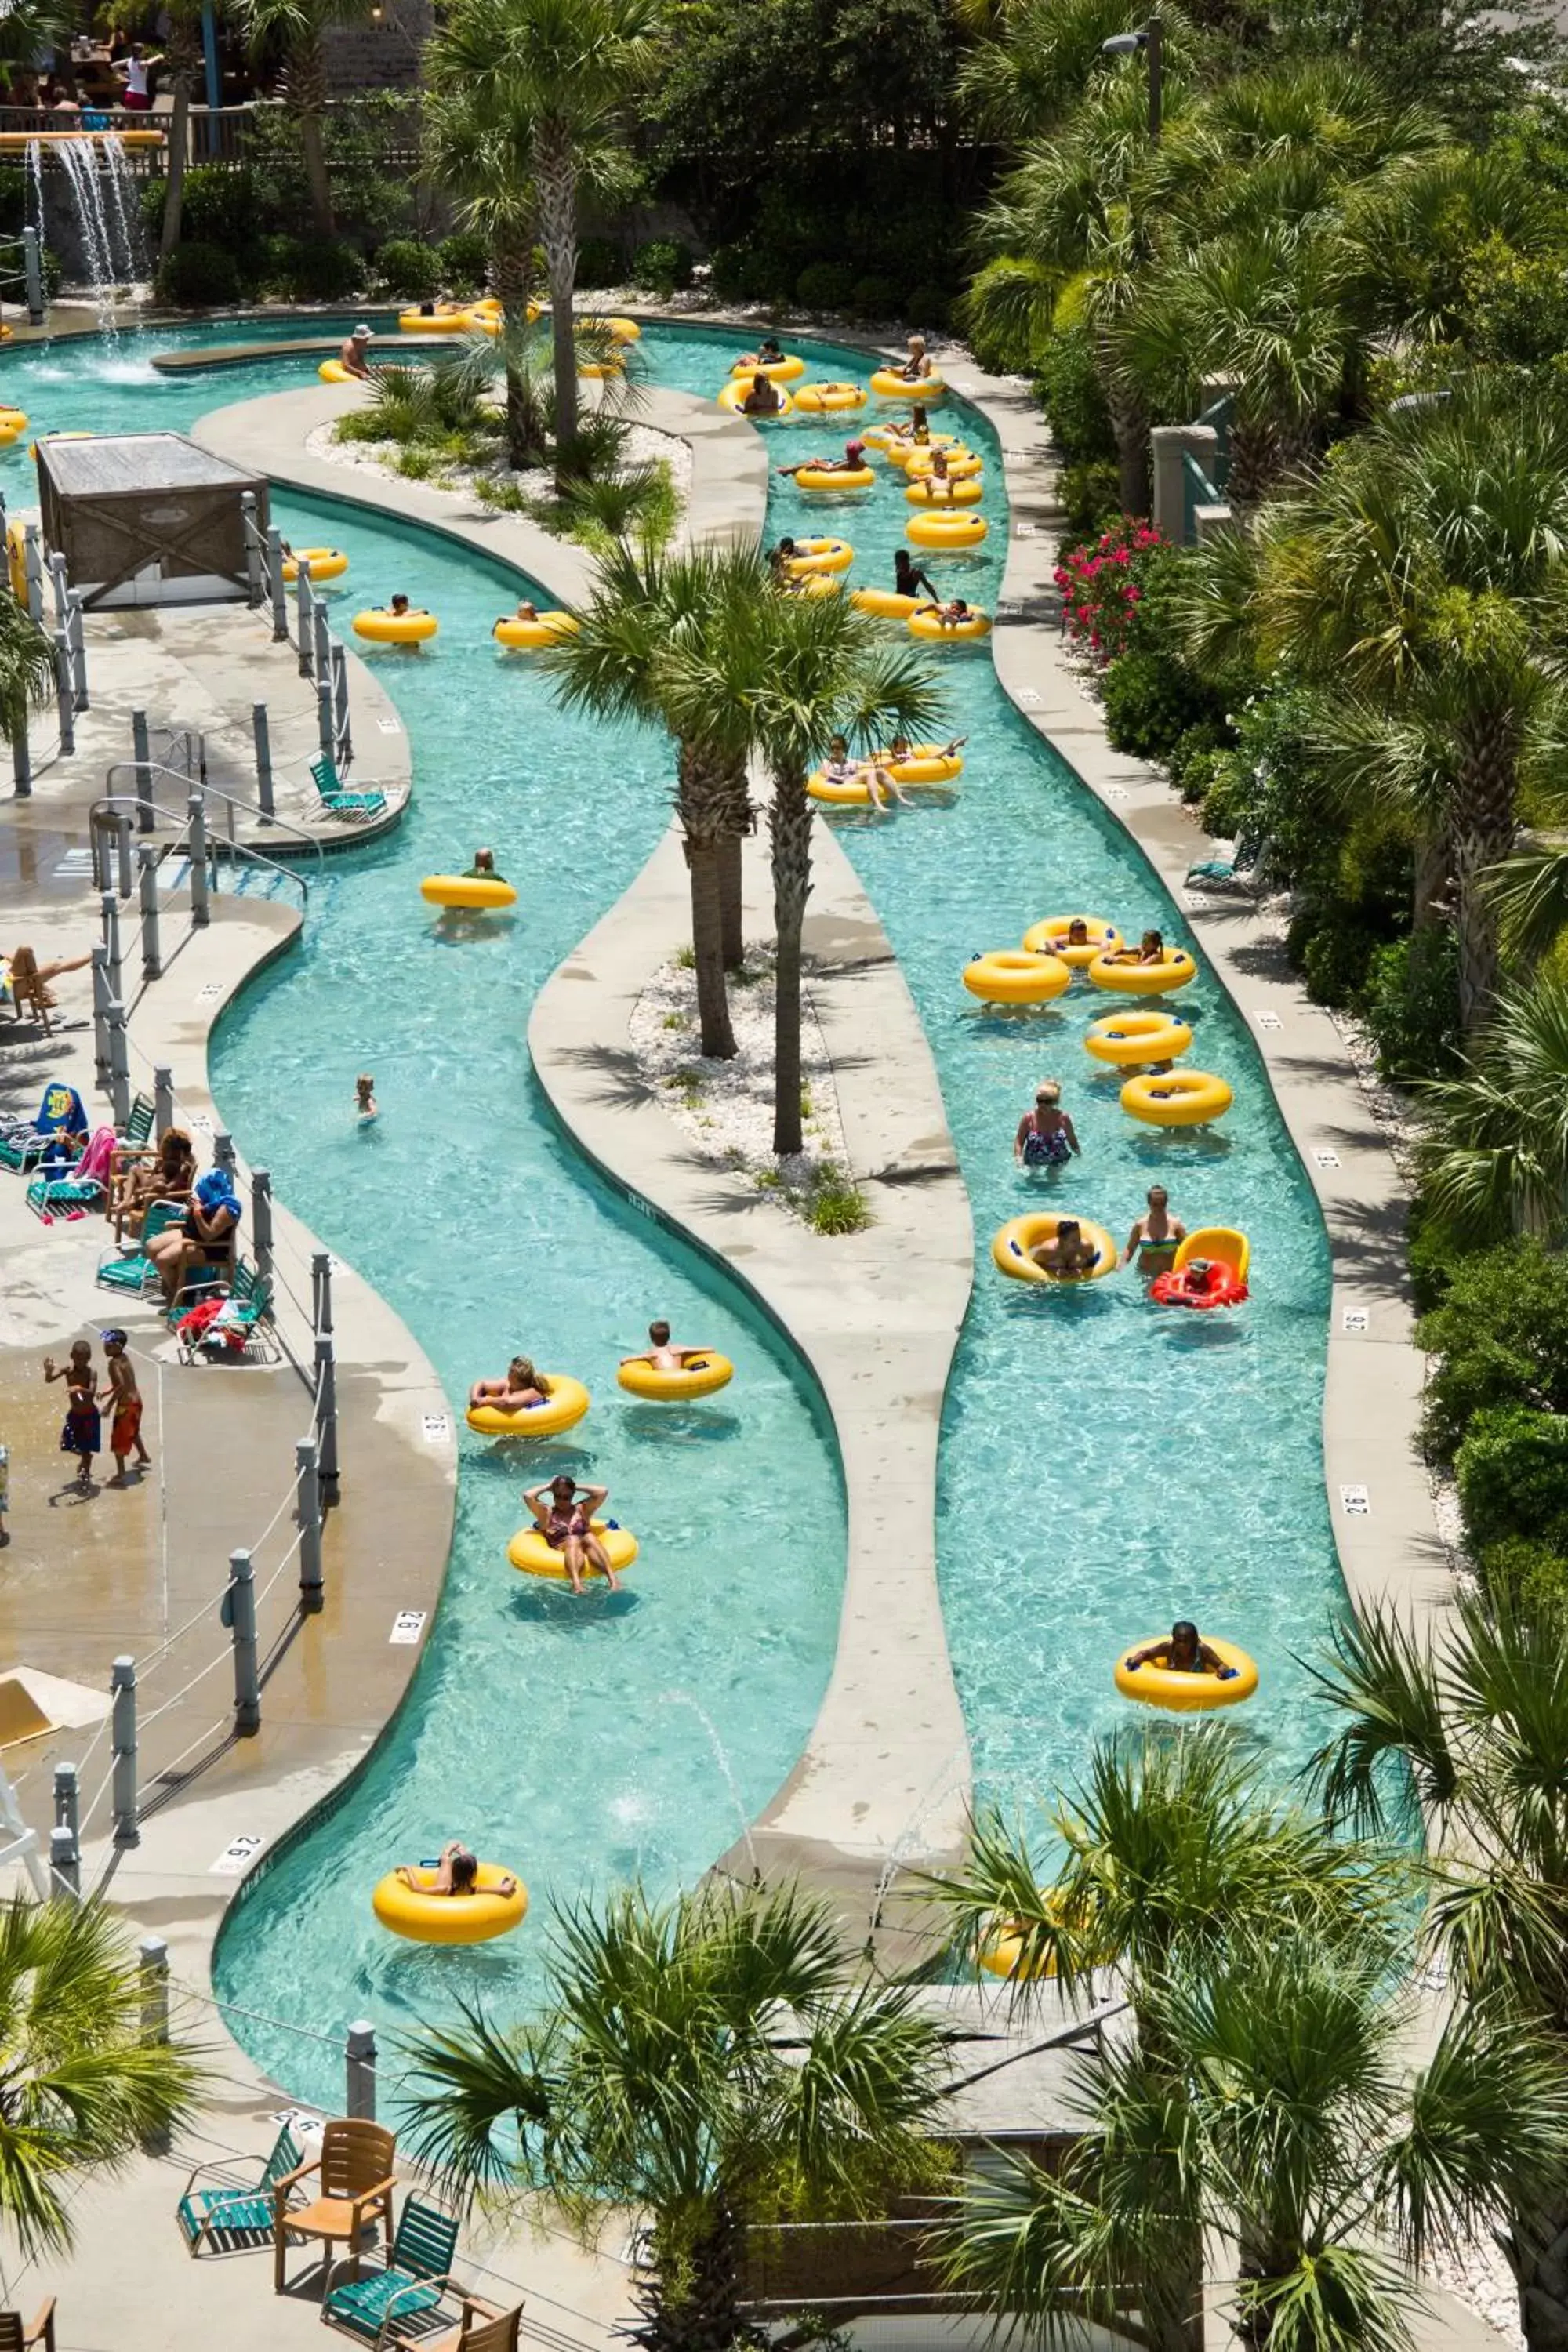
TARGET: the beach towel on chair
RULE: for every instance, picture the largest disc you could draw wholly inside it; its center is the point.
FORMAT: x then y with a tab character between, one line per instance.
61	1113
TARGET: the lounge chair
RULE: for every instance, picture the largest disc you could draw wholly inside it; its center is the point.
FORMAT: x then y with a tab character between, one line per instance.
60	1127
410	2287
64	1196
16	2337
242	1319
353	2171
339	802
482	2328
1237	870
132	1270
232	2217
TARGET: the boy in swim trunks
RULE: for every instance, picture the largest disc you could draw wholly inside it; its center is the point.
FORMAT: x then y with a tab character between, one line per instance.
125	1398
661	1355
82	1434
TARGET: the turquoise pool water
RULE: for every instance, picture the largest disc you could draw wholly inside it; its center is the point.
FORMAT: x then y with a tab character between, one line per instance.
1104	1465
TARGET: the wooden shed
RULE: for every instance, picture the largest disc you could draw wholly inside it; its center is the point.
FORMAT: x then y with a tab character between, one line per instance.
147	517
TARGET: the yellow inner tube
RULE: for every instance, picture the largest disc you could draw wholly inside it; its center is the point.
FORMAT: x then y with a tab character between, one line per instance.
886	603
889	386
828	399
44	438
704	1375
13	420
325	562
1011	1245
527	636
840	477
597	370
963	465
16	561
1001	1949
8	434
474	890
733	398
929	529
528	1551
1174	969
1051	933
425	1918
1177	1098
820	555
384	627
1221	1244
785	370
446	318
819	583
624	330
927	492
937	632
1123	1039
562	1409
1156	1685
923	763
1014	976
334	372
902	452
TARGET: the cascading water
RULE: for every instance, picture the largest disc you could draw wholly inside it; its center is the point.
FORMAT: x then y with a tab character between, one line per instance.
123	210
108	243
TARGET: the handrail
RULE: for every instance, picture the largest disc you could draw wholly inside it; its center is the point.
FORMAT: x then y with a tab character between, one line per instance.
119	803
211	792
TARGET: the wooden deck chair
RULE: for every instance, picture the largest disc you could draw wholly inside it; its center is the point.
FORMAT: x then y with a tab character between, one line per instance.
16	2337
483	2329
355	2187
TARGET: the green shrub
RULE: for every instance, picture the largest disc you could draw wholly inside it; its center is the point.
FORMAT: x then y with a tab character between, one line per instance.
1002	344
216	207
1512	1476
928	305
1411	1004
464	258
599	264
1331	952
1501	1336
874	297
1522	1573
1191	758
825	286
1066	384
1150	701
741	273
301	270
1090	494
664	263
835	1204
409	270
197	277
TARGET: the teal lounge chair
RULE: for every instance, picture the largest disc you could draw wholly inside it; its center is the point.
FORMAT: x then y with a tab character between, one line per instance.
246	1317
60	1126
325	777
377	2308
234	2217
132	1271
64	1196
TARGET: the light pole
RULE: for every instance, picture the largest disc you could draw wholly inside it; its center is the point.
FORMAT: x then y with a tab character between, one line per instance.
1127	44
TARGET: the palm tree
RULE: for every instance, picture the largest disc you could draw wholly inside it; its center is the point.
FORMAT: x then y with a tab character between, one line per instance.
182	47
1283	2118
487	166
26	668
1421	580
83	2088
1473	1715
302	27
646	609
1043	56
817	669
548	79
700	2062
1494	1157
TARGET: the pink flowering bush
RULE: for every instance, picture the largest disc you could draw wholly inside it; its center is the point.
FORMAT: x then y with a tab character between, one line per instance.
1101	585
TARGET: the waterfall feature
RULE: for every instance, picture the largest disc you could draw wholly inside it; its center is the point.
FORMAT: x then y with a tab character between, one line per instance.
103	199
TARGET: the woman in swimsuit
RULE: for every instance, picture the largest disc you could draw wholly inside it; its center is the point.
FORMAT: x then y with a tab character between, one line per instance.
1184	1654
917	365
563	1514
1154	1235
1151	949
454	1874
1046	1137
521	1388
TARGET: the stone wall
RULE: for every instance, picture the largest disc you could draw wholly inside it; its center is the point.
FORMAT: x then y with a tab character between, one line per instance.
382	55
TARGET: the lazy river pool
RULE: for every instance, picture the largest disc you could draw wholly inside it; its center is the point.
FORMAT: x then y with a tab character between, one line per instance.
1103	1467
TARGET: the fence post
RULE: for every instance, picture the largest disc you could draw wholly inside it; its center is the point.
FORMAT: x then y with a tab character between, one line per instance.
22	758
123	855
304	595
77	635
345	741
223	1149
323	640
261	1221
122	1733
321	1292
324	719
118	1067
108	908
275	582
251	531
65	1839
196	849
102	998
58	582
308	1513
262	735
33	276
152	1954
151	958
327	1418
64	693
162	1100
142	753
359	2050
33	570
240	1615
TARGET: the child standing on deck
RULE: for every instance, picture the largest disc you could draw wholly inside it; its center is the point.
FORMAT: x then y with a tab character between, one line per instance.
82	1434
122	1394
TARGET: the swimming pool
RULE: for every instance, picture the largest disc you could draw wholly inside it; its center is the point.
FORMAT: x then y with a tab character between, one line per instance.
1103	1467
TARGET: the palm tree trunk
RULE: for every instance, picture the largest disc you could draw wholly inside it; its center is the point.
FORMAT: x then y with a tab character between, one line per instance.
1430	884
511	271
1537	2250
179	142
704	2313
308	96
732	919
700	805
789	827
1130	423
1486	821
555	186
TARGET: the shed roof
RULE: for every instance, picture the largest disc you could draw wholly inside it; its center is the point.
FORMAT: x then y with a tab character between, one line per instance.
119	464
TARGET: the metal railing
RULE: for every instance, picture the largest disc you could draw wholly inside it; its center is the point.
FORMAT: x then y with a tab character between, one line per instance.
145	808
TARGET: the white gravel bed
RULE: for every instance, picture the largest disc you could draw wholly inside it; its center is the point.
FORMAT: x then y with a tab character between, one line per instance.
644	446
727	1108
